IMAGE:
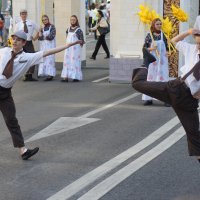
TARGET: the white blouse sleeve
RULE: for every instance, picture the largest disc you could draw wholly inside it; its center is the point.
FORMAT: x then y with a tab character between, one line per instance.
197	23
182	47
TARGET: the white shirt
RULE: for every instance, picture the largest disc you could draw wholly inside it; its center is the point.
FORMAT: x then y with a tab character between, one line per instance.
22	63
94	14
32	27
108	6
190	53
197	23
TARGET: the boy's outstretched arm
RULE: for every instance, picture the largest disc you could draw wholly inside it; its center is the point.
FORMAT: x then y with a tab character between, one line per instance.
60	48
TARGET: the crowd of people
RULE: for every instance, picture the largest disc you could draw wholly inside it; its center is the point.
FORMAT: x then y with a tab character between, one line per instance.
46	34
98	19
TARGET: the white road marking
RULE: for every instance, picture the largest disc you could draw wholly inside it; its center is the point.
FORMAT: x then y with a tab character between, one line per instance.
110	105
108	184
100	171
61	125
64	124
101	79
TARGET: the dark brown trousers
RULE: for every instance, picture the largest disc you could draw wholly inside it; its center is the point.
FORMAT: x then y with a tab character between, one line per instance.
29	48
178	95
7	107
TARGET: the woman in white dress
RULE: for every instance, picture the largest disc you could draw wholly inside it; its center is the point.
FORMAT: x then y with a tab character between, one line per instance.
47	41
158	70
72	57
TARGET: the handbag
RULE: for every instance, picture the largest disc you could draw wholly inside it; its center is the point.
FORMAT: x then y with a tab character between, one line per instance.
104	30
148	57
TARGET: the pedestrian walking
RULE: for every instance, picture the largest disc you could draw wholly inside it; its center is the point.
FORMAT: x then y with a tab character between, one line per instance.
94	12
72	57
47	35
182	93
89	12
30	28
157	46
108	9
100	27
14	63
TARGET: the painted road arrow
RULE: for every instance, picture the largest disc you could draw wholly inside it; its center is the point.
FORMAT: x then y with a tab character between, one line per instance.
64	124
61	125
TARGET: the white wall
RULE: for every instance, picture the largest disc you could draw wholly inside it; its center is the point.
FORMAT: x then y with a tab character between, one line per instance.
127	33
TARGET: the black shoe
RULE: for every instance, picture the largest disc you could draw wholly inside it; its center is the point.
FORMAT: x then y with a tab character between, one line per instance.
198	160
50	78
64	80
33	79
106	57
29	153
28	77
147	103
75	80
93	58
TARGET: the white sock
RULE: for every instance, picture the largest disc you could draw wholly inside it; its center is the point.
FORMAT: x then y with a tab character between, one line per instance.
23	150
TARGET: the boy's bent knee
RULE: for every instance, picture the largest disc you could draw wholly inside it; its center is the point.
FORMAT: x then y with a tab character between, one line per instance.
139	75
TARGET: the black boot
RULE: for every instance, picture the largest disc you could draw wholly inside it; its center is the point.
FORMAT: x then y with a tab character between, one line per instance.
49	78
27	77
93	58
31	78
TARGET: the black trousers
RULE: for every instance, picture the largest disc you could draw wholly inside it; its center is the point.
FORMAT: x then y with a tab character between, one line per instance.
95	32
7	107
29	48
101	41
178	95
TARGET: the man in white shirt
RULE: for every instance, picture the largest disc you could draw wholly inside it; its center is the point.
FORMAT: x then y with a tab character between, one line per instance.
182	93
13	64
32	31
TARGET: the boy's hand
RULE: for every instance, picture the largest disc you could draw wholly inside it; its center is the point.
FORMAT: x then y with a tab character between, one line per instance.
193	31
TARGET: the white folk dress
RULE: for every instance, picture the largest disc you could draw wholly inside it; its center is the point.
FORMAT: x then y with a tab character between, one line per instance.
47	68
159	70
72	58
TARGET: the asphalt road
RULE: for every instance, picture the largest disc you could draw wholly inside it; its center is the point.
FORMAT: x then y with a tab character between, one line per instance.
106	145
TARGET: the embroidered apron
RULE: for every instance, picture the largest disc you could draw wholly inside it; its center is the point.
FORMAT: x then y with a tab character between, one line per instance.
158	71
72	58
47	68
